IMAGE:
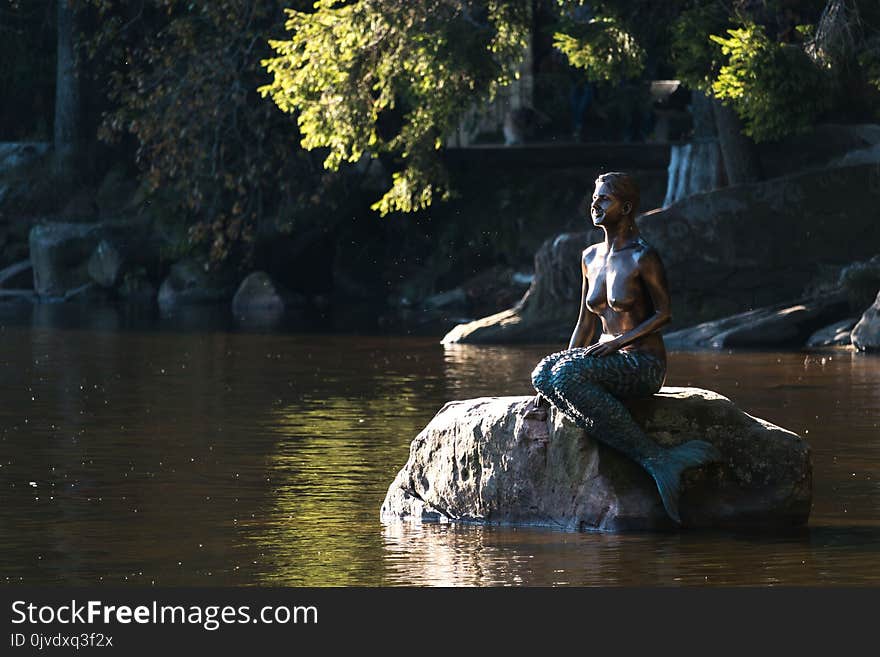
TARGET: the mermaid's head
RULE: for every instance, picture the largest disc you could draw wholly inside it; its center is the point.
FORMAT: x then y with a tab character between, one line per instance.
624	187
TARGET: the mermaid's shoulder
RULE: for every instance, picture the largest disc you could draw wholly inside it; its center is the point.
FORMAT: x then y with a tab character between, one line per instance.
592	251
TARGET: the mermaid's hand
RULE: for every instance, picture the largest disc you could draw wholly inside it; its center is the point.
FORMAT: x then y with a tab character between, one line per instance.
604	348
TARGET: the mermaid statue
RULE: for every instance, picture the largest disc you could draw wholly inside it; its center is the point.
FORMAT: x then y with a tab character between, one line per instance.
624	286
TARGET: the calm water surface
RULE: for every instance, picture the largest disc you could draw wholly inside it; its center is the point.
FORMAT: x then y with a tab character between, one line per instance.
163	456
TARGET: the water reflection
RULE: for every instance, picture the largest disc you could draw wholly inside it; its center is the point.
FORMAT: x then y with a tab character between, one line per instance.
330	466
462	555
199	455
490	370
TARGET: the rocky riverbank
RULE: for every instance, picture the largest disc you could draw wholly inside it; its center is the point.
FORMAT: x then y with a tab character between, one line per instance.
750	253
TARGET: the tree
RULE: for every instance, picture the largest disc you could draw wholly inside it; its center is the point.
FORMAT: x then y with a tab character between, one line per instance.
224	164
382	77
67	95
371	78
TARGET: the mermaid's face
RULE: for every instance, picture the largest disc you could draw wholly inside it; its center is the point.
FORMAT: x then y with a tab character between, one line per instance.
607	208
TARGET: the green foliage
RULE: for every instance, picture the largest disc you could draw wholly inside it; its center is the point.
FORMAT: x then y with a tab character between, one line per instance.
391	79
182	80
775	88
869	60
382	77
603	49
696	58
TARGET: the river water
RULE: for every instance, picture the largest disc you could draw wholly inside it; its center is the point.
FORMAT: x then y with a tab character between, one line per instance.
194	453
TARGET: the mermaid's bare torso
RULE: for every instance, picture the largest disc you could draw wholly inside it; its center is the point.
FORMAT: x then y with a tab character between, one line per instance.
618	296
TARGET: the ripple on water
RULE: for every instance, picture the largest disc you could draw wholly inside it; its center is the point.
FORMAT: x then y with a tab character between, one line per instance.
263	459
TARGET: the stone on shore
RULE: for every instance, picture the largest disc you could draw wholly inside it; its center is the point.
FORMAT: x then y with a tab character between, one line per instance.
261	299
480	461
105	264
758	245
550	306
866	334
780	326
61	252
188	283
835	335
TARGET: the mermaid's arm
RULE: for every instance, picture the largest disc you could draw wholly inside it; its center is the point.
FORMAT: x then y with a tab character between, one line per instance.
586	323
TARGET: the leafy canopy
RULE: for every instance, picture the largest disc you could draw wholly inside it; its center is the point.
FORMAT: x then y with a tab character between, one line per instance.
774	87
602	48
181	78
376	77
391	79
371	78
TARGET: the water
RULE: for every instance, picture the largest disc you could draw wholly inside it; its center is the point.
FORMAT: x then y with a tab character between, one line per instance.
134	453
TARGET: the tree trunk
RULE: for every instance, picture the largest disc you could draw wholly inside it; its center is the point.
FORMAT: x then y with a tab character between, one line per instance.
67	101
738	151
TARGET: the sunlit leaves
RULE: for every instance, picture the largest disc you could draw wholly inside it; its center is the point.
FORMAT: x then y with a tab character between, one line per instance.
775	88
603	49
696	57
382	77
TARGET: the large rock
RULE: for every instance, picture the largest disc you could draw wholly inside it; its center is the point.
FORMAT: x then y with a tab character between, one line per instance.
867	155
781	326
827	144
548	310
837	334
61	251
480	461
188	283
860	281
866	334
757	245
822	320
262	299
726	252
16	154
105	264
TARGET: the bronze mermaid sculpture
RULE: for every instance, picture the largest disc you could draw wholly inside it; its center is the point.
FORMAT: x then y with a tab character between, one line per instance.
624	286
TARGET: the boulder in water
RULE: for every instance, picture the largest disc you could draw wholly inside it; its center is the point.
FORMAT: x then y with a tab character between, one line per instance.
866	334
60	254
260	298
188	283
480	460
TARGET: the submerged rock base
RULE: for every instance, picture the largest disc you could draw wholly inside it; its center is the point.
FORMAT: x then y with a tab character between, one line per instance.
480	461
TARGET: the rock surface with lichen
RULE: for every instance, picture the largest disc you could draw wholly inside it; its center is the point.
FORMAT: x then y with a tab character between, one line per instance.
480	460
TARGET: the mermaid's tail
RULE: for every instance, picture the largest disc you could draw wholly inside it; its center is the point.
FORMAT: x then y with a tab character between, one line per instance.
584	388
668	466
